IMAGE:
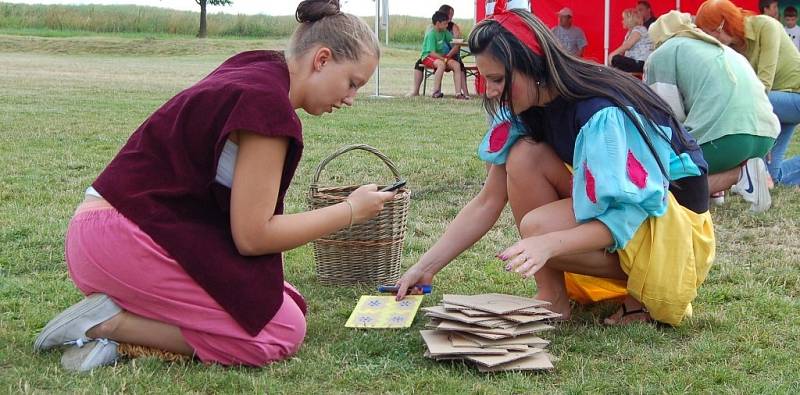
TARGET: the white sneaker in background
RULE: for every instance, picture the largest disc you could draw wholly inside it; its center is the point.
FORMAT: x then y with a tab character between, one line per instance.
752	185
718	198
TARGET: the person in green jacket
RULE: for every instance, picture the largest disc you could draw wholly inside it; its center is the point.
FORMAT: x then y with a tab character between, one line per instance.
721	102
763	41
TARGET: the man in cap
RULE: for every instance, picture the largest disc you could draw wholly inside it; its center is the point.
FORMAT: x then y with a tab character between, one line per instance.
571	37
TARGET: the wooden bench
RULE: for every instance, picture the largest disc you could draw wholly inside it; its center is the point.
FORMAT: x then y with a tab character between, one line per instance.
470	69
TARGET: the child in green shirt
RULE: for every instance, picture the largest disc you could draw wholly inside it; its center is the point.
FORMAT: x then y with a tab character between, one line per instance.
434	55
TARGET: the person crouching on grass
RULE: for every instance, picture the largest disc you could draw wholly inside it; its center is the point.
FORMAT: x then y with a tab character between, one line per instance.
720	101
178	242
633	213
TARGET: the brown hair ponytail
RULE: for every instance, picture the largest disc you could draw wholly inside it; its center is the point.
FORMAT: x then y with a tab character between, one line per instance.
323	23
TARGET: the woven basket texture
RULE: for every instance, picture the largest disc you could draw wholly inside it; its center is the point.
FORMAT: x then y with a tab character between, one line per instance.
368	252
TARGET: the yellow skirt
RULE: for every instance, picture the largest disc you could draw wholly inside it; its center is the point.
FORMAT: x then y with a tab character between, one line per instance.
666	261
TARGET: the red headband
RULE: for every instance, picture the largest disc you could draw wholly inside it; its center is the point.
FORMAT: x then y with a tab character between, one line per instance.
514	24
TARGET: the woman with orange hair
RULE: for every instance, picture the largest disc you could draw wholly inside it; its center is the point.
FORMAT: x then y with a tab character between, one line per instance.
762	40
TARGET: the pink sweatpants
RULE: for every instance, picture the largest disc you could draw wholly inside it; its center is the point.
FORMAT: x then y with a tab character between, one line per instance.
106	253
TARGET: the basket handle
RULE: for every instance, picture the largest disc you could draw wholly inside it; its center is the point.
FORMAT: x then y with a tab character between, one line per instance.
348	148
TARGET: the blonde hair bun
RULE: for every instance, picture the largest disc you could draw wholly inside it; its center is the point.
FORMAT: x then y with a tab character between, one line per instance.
314	10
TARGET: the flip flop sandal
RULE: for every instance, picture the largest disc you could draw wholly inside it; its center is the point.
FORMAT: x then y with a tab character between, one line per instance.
626	313
437	95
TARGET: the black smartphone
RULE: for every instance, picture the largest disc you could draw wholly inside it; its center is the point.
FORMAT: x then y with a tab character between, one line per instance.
393	187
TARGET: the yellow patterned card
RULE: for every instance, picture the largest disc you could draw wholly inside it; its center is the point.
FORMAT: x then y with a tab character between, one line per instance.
384	312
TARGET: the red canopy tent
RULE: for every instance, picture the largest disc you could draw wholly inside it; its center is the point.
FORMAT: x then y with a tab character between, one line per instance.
603	18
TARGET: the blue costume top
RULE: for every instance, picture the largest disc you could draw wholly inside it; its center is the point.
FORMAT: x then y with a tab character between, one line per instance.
616	177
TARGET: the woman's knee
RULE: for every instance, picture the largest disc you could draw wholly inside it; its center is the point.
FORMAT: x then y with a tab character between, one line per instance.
553	217
524	155
282	337
533	224
528	159
278	342
293	339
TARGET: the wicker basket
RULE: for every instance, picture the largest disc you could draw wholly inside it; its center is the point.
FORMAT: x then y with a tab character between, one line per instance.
368	252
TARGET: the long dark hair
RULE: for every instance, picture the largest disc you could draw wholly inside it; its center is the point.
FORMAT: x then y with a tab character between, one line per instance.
572	78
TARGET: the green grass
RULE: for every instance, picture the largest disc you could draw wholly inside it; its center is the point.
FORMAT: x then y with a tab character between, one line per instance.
69	103
126	20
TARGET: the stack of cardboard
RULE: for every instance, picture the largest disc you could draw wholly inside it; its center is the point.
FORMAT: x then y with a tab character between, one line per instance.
498	332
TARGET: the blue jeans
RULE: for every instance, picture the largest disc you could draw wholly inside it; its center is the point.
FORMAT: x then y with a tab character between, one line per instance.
786	105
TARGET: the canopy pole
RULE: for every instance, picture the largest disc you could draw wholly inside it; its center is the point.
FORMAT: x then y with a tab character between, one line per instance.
606	28
386	19
378	34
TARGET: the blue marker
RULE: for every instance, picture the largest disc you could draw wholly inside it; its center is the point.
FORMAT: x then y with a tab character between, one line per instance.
425	288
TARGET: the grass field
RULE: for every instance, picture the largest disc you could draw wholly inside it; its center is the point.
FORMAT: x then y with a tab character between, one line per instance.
69	103
72	20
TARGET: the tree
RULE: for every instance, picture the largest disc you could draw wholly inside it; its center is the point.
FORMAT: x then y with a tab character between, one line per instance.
203	33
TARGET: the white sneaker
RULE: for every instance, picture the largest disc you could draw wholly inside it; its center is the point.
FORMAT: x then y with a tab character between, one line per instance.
83	357
718	199
72	323
752	185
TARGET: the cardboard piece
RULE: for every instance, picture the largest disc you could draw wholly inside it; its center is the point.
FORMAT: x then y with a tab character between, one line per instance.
457	339
384	312
494	303
463	342
477	313
467	311
439	344
495	360
489	336
485	318
433	323
427	354
447	325
454	307
440	312
538	361
522	329
495	331
512	347
497	323
528	318
534	311
528	340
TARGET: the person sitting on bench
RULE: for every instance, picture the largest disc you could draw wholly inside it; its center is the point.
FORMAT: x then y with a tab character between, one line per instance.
435	55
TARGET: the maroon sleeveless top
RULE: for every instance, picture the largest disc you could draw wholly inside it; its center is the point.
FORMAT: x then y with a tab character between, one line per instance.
163	180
